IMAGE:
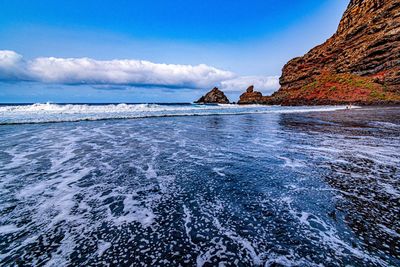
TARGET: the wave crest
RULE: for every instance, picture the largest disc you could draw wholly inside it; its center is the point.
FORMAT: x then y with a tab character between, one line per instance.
49	112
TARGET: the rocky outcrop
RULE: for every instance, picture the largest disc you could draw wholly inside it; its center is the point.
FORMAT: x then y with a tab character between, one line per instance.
253	97
215	96
359	63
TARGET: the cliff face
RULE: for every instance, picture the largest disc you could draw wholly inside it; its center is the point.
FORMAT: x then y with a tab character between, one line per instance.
215	96
359	63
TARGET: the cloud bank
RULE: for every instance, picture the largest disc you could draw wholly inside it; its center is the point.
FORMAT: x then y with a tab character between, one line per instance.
139	73
266	84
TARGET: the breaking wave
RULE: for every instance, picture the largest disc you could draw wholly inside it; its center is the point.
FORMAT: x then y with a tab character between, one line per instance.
48	112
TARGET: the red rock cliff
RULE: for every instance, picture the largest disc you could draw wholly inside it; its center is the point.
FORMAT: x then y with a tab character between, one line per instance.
359	63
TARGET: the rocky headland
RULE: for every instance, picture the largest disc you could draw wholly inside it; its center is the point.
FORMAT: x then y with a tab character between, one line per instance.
360	63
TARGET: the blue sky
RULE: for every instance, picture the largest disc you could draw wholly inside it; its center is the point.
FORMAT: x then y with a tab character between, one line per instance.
188	46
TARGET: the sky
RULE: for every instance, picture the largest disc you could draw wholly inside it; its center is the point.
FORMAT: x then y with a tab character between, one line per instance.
154	50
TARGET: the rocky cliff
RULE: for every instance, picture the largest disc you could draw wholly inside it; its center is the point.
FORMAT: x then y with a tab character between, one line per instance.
215	96
360	63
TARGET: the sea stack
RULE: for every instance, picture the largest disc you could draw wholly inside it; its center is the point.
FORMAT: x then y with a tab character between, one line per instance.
360	63
215	96
253	97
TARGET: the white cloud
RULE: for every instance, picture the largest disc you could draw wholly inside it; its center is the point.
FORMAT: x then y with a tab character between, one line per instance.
125	72
9	58
11	65
264	84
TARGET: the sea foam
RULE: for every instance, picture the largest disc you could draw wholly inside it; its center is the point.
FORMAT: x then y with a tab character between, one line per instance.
48	112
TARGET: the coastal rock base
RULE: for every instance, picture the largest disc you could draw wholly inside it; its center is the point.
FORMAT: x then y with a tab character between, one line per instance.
335	89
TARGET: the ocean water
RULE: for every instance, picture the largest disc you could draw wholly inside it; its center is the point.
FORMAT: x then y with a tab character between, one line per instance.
188	185
14	114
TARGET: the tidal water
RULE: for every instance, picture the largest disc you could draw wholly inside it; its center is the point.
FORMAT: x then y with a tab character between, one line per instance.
242	186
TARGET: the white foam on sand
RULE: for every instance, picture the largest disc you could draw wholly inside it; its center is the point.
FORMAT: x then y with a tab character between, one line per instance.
134	212
292	162
9	228
286	260
327	234
219	171
54	200
102	247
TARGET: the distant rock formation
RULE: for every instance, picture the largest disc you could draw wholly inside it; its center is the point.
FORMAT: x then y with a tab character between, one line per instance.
360	63
215	96
253	97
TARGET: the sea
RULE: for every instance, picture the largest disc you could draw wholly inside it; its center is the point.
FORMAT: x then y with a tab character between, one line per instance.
199	185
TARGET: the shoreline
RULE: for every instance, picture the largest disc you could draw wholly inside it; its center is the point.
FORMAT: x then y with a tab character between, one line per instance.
14	115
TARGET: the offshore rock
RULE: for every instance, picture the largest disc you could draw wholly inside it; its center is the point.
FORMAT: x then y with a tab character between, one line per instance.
215	96
359	63
253	97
